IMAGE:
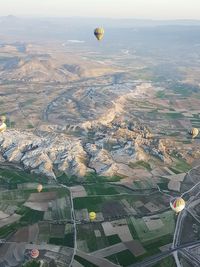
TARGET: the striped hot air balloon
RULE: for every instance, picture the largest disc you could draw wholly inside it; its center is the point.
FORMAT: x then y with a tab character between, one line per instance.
35	253
177	204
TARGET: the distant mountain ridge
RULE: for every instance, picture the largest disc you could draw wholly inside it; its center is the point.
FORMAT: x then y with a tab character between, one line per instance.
45	29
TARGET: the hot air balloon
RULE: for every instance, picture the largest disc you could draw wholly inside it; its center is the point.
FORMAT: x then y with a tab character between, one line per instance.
194	132
2	124
39	188
99	33
35	253
92	216
3	118
177	204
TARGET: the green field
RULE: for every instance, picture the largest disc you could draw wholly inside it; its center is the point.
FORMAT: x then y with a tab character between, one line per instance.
29	216
152	241
113	239
87	233
183	88
12	178
161	94
90	203
167	262
14	200
163	182
180	166
124	258
67	240
21	195
143	185
15	197
32	264
95	203
84	262
7	230
95	178
100	189
141	164
174	115
89	178
146	236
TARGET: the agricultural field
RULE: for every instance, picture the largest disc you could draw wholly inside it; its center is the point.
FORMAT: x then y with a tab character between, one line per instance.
154	227
22	206
32	264
134	237
120	205
100	189
167	262
84	262
11	178
91	237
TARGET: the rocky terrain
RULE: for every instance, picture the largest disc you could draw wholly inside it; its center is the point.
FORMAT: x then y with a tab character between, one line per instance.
72	114
38	65
106	150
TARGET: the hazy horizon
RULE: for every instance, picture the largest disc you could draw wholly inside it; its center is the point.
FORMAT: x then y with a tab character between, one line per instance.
122	9
96	18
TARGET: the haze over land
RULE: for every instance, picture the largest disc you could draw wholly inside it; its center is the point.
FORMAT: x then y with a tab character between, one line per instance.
152	9
104	127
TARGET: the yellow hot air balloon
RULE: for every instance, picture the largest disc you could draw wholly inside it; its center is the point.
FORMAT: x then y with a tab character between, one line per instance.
177	204
92	216
3	118
2	124
194	132
39	188
99	33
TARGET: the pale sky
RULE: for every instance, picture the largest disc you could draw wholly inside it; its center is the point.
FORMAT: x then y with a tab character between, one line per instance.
144	9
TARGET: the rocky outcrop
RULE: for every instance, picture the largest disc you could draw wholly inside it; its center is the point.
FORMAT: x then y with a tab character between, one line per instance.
43	155
105	149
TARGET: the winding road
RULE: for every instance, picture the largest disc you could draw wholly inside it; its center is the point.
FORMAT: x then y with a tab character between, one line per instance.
180	219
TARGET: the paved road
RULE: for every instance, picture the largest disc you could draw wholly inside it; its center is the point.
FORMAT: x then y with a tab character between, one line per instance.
153	259
181	217
74	223
191	258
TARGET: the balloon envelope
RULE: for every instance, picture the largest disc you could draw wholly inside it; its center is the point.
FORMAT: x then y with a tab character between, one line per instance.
194	132
177	204
92	216
35	253
3	118
2	124
2	127
99	33
39	188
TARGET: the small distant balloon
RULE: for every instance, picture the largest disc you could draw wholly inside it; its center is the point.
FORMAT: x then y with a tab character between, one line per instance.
99	33
2	124
177	204
3	118
39	188
194	132
92	216
35	253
